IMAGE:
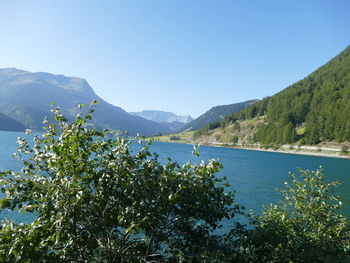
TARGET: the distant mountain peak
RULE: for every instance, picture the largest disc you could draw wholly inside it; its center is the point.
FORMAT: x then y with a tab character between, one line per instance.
162	116
25	77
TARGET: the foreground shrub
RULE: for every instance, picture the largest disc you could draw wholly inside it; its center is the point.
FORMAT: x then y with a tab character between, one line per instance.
96	201
305	227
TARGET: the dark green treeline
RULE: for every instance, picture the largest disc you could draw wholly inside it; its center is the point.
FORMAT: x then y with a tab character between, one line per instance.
320	103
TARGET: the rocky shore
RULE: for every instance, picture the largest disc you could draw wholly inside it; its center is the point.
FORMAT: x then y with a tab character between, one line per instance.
290	149
323	151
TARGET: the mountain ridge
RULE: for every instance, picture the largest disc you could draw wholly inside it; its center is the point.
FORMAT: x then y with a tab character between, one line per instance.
216	113
26	97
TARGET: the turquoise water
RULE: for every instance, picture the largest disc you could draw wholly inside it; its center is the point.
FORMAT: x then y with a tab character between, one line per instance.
254	175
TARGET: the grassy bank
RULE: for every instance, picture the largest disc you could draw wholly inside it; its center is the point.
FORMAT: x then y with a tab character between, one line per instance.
182	137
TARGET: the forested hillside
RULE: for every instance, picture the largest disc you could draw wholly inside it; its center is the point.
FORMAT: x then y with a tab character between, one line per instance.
312	110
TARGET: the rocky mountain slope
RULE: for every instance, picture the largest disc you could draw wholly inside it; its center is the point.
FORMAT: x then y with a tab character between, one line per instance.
26	98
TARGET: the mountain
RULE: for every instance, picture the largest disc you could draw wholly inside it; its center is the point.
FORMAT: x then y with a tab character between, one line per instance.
172	121
162	116
9	124
26	98
313	110
215	114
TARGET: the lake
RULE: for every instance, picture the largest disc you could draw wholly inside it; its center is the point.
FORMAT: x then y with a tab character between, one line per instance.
254	175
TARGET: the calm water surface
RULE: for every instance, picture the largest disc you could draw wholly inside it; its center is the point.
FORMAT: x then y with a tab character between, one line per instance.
254	175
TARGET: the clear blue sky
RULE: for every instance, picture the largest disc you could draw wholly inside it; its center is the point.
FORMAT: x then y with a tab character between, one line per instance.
183	56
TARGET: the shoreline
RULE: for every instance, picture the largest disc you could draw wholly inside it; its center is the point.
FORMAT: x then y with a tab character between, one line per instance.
324	153
307	150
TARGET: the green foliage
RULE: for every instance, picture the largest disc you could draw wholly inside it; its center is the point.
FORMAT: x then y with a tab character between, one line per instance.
276	134
204	130
236	126
320	103
234	139
95	201
198	133
305	227
289	134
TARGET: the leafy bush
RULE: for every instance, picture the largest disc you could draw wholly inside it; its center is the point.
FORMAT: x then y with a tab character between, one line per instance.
95	201
234	139
200	132
236	126
305	227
